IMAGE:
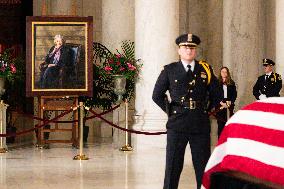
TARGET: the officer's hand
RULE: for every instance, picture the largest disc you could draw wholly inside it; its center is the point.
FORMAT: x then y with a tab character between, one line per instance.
229	103
223	105
262	96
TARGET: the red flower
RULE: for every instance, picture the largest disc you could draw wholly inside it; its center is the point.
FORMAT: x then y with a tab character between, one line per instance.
121	68
118	63
131	67
2	68
13	68
108	68
117	55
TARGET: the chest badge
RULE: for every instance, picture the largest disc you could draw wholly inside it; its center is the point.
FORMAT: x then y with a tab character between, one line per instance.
272	79
203	75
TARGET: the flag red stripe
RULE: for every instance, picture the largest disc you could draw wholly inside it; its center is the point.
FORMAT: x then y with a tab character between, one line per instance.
255	168
266	107
252	132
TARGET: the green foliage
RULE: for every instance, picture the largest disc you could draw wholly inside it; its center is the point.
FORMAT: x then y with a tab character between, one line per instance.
128	49
11	68
15	83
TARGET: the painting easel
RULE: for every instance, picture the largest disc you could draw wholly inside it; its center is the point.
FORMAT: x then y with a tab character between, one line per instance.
57	103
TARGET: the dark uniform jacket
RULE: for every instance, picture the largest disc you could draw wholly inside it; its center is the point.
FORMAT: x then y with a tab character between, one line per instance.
184	87
270	87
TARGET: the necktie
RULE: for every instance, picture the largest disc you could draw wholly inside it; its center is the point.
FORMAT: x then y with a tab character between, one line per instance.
189	72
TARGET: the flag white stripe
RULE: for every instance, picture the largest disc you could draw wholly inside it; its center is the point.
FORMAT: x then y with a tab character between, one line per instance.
218	154
263	119
265	153
274	100
261	152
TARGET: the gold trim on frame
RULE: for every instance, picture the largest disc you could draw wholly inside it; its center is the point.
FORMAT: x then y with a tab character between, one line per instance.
86	55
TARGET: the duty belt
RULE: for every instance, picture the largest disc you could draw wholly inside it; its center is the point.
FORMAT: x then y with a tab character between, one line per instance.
191	104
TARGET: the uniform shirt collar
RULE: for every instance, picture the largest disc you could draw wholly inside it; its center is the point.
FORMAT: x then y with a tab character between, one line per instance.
268	73
192	64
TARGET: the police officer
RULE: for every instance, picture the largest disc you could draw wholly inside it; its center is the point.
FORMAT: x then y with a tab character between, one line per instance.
269	84
190	84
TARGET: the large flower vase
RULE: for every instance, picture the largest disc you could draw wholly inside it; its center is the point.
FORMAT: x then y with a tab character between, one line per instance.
2	86
119	86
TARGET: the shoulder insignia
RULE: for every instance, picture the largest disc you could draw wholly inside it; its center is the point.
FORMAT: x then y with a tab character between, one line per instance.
279	77
207	69
274	77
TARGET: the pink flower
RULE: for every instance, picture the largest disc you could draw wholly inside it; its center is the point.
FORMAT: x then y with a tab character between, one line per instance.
2	68
131	67
118	55
121	68
13	68
108	68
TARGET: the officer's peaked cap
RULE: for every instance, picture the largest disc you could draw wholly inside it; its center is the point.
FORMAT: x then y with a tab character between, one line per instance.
188	40
267	61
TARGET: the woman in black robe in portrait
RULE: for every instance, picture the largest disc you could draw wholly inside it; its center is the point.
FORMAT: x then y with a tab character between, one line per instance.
58	57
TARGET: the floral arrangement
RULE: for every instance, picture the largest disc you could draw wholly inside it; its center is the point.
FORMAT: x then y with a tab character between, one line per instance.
123	63
8	68
106	65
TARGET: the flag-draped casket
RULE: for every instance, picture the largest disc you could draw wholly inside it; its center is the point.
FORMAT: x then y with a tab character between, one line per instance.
252	143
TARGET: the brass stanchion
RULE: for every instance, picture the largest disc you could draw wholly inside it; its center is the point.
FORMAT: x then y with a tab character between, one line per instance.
127	146
81	156
3	108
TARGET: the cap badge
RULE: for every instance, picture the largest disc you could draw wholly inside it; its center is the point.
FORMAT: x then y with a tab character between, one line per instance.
189	37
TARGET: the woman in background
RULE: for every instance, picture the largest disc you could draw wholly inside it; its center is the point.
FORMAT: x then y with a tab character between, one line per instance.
225	98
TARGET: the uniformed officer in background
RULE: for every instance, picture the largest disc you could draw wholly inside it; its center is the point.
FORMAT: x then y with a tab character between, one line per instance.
190	84
269	84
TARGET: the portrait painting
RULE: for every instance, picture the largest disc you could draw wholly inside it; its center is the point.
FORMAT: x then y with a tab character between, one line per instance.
59	56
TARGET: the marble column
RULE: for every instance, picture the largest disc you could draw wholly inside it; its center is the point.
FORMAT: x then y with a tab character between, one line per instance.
270	28
117	26
63	7
279	38
117	22
243	44
215	34
156	28
198	24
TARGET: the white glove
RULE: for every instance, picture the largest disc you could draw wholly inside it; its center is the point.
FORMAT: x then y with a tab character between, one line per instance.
262	96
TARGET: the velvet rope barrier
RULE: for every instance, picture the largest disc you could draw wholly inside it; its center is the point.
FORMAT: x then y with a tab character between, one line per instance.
143	132
128	130
37	126
103	113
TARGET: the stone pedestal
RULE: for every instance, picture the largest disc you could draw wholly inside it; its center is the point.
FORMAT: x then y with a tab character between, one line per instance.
3	108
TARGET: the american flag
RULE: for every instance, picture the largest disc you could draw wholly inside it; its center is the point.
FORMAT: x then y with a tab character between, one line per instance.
252	142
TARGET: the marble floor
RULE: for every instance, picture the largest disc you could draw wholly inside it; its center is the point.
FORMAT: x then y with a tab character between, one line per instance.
108	168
